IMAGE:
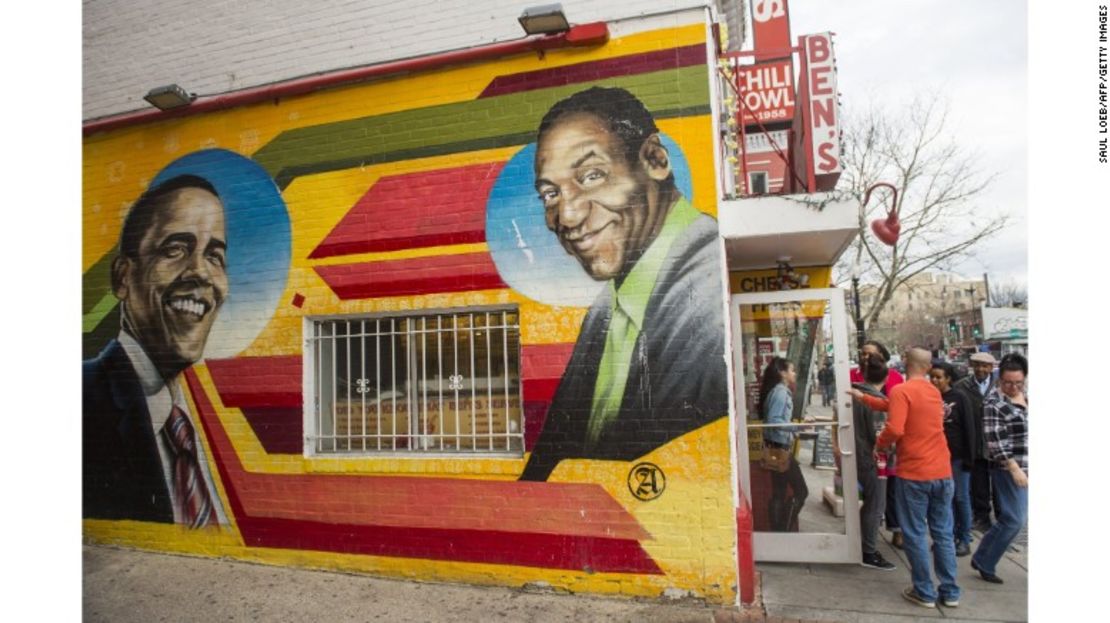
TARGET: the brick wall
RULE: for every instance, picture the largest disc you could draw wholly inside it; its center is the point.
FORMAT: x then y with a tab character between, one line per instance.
214	47
415	195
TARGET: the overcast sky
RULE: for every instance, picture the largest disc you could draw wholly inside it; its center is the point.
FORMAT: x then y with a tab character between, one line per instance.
974	51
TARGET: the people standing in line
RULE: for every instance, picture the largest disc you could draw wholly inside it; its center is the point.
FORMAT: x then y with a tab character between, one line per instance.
873	348
960	431
827	379
867	423
915	426
776	406
977	385
1006	425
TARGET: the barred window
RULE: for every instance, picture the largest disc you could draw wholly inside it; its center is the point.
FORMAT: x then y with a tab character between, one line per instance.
439	382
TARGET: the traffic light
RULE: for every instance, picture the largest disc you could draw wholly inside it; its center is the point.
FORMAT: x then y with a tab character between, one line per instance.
952	325
975	331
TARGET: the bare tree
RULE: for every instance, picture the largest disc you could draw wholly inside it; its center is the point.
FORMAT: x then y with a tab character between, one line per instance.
1009	294
940	187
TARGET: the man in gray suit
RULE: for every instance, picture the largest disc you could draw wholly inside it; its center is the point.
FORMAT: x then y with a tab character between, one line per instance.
649	363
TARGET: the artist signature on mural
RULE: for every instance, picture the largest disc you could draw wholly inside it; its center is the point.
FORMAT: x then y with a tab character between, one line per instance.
646	481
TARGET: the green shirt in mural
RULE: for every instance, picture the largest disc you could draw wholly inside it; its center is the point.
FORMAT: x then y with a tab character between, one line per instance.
627	318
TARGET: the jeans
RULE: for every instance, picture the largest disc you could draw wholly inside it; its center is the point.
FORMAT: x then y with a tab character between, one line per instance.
784	512
891	505
826	395
874	503
1013	503
927	505
961	503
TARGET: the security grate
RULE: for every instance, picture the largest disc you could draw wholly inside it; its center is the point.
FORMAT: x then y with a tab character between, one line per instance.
443	382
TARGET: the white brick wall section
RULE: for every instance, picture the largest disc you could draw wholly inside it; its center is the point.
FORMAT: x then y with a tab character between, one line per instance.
214	46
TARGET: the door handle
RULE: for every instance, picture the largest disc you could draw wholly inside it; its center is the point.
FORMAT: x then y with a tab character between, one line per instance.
842	426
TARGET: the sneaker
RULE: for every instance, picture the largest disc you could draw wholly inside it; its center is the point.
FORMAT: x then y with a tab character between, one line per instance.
911	596
876	561
949	603
962	549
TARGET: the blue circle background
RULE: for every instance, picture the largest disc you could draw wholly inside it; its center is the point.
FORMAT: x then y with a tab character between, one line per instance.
528	255
258	244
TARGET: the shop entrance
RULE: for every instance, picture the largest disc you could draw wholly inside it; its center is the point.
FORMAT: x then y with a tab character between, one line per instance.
808	328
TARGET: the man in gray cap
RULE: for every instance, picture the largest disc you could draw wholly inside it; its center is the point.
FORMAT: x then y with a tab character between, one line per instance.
977	385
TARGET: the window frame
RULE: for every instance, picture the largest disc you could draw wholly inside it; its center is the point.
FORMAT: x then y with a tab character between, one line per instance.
309	371
766	183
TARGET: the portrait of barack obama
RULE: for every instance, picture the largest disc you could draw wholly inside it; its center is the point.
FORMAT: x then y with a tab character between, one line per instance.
648	365
142	458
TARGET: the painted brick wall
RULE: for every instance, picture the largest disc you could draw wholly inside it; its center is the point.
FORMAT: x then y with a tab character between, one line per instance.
131	46
402	196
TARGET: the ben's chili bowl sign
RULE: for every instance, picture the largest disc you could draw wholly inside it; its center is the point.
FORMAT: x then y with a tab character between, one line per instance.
767	91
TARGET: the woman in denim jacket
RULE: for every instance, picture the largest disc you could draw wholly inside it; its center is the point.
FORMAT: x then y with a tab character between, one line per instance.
776	406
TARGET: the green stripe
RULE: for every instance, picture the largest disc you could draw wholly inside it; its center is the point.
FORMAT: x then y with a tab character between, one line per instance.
97	281
461	126
93	317
286	176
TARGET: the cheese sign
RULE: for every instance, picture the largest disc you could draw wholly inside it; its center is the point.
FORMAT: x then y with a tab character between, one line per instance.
770	29
767	91
823	116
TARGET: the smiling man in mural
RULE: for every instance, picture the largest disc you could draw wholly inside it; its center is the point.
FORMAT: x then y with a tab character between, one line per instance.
142	458
649	364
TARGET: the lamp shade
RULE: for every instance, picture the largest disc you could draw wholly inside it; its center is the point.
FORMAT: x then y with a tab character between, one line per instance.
169	97
544	19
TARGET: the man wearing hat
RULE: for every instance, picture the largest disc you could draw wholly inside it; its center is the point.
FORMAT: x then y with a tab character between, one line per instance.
977	385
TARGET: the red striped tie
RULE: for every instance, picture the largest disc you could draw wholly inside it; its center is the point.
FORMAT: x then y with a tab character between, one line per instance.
189	489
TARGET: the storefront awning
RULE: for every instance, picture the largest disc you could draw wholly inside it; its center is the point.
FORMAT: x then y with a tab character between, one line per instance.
759	231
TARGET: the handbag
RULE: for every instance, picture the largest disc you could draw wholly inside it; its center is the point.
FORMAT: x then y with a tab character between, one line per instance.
775	459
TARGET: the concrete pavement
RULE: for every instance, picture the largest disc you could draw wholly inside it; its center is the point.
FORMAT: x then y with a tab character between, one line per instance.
131	586
852	593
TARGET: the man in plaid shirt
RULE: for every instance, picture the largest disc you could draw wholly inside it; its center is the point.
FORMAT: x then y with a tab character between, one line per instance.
1006	426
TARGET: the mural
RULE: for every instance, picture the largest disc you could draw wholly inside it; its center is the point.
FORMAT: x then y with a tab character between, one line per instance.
648	365
573	189
172	273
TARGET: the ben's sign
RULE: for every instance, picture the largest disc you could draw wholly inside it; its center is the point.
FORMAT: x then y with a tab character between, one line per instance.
818	127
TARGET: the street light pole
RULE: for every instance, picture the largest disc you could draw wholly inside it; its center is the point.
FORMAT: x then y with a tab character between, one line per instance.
860	338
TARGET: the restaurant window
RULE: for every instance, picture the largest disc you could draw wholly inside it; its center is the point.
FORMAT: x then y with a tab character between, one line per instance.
445	382
757	181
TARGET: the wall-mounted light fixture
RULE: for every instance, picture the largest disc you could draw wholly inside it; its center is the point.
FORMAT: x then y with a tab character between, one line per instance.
169	97
544	19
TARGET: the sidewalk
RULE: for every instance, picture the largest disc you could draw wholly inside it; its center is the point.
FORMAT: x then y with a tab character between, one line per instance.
131	586
851	593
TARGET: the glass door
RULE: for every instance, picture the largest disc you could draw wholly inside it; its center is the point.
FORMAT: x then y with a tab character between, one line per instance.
810	512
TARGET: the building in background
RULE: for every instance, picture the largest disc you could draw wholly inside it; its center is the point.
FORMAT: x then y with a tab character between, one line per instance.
918	310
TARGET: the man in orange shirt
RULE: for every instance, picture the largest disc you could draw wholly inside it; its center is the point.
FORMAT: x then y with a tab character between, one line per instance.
915	426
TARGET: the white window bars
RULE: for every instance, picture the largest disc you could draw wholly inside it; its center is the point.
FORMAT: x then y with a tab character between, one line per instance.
439	382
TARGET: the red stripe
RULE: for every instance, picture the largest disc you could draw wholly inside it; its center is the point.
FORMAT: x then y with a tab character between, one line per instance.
512	503
596	70
547	551
423	275
280	430
247	382
430	208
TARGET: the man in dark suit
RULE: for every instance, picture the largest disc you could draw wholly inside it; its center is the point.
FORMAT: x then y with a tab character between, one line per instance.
649	362
142	458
